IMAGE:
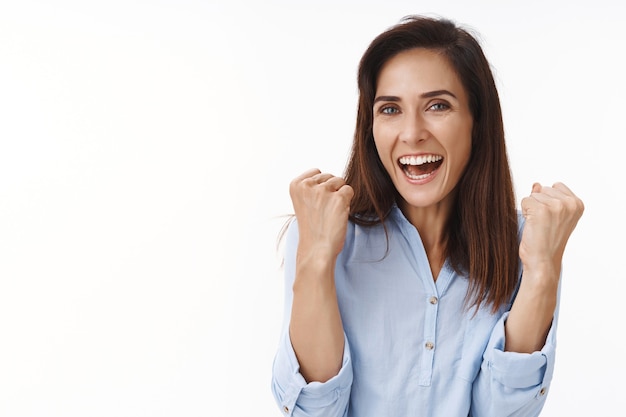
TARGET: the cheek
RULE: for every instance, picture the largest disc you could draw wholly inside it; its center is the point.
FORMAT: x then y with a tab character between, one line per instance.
462	146
462	154
383	151
383	145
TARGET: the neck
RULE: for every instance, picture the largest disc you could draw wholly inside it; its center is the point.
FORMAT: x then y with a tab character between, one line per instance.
431	224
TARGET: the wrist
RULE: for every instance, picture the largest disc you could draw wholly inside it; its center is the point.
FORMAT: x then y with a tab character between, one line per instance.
540	285
543	273
315	267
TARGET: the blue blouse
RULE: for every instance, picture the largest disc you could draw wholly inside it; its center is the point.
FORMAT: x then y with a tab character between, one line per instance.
412	348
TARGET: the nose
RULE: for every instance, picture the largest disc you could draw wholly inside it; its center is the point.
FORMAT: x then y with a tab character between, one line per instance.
414	129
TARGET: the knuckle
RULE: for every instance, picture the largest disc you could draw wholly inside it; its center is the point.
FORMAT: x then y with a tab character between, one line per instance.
574	204
558	205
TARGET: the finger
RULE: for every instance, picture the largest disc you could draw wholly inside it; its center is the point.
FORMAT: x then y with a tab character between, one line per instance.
527	203
346	191
334	183
557	187
321	178
545	193
307	174
552	200
534	202
547	197
580	206
558	190
563	188
560	194
549	192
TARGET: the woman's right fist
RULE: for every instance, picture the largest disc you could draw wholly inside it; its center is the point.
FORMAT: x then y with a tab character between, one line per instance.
321	203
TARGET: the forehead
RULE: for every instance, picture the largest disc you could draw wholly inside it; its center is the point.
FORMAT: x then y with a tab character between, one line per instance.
418	70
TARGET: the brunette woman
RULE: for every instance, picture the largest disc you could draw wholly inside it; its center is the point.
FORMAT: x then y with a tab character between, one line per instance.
414	287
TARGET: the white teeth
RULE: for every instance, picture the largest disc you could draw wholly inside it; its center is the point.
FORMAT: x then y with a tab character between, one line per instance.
418	177
420	159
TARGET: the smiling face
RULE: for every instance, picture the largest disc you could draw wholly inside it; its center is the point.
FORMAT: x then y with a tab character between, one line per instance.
422	128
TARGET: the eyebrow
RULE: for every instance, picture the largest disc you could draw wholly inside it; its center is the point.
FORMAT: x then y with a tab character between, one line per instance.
428	94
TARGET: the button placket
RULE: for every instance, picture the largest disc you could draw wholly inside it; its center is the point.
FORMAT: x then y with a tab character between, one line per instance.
430	330
429	345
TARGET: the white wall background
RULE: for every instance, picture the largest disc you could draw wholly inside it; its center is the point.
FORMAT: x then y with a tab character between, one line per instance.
145	153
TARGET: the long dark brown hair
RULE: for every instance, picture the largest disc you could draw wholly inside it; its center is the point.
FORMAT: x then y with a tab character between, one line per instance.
482	228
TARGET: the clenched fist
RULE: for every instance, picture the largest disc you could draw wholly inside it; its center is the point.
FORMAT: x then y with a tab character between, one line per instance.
551	215
321	203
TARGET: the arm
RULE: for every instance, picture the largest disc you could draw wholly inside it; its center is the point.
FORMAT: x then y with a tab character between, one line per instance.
551	215
312	373
519	359
321	203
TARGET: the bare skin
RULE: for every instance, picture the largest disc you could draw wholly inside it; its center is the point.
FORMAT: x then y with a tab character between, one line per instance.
551	216
321	204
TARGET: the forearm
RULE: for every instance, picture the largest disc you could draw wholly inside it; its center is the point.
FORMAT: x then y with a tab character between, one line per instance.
315	328
532	312
551	214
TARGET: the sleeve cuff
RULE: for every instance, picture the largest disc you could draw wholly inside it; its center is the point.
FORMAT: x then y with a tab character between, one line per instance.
520	370
289	385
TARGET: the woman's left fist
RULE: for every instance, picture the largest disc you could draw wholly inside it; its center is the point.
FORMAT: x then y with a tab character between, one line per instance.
551	215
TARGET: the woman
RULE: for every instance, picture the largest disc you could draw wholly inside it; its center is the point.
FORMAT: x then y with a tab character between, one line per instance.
413	286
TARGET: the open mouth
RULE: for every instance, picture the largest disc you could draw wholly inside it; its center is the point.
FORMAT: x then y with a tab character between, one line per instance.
420	167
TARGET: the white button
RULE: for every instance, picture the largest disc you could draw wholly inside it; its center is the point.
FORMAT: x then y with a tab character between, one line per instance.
285	409
433	300
429	345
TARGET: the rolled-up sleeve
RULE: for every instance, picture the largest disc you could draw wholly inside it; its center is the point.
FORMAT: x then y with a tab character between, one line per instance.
511	383
296	397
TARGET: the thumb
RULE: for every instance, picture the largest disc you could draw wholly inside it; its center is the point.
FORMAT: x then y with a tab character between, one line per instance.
536	188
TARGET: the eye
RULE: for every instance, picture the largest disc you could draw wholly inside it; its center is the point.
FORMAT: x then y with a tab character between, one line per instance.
388	110
439	106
